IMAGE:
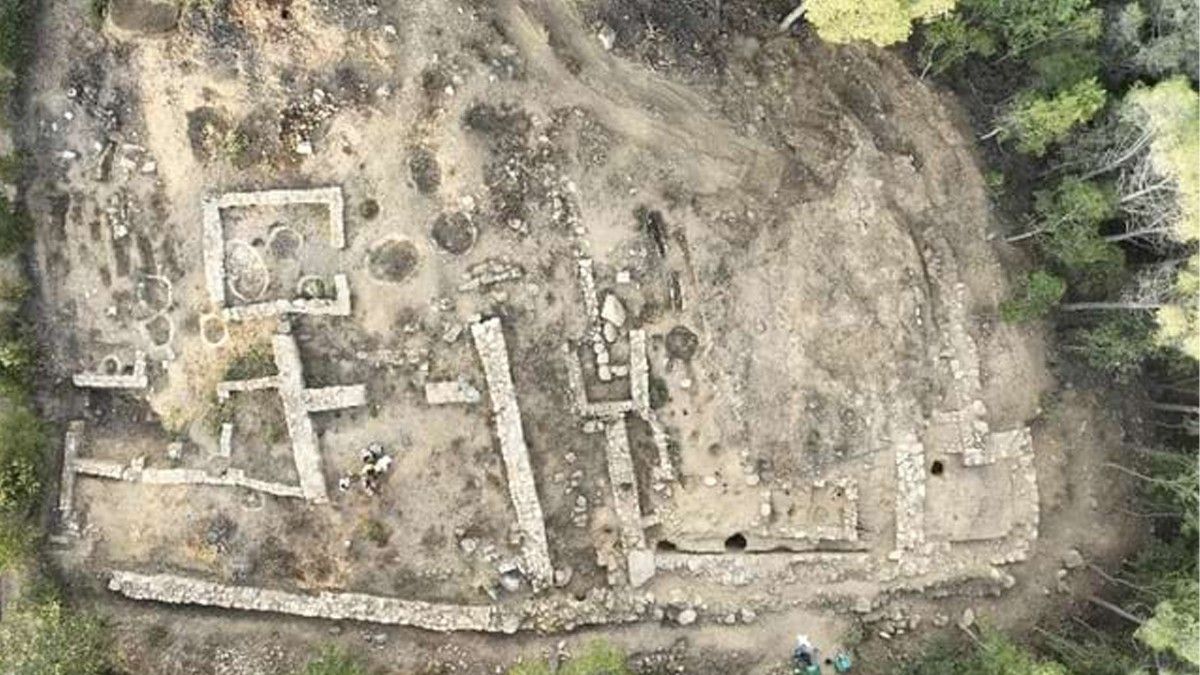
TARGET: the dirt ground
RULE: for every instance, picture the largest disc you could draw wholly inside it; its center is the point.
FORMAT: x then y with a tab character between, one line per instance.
800	231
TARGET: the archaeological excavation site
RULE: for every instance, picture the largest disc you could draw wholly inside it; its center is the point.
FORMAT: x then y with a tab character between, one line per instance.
454	332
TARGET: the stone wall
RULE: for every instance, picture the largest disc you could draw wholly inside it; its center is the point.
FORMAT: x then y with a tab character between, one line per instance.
493	352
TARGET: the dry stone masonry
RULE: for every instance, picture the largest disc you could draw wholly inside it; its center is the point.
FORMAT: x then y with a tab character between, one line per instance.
215	252
740	524
493	352
135	380
299	403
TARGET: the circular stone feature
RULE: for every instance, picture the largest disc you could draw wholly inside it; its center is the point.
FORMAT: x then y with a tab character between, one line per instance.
154	293
393	260
212	329
369	209
284	243
312	287
682	343
159	329
454	232
246	271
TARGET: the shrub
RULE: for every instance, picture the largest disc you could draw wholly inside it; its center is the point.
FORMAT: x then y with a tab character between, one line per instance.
598	658
257	361
17	541
16	228
16	29
994	655
334	661
1040	293
39	638
22	457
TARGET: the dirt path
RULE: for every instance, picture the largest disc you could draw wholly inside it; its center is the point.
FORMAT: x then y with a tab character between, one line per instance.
658	114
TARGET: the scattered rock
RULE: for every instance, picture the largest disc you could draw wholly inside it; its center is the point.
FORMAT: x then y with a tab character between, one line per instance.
1073	559
686	617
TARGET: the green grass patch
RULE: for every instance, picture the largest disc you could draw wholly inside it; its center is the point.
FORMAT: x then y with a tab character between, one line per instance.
333	660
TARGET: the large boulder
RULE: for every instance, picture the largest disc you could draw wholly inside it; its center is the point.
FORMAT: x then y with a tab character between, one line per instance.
139	18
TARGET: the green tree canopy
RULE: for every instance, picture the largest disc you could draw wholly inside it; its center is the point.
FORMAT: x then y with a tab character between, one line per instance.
1178	321
1170	111
1009	29
1038	295
880	22
1175	626
1038	120
1153	38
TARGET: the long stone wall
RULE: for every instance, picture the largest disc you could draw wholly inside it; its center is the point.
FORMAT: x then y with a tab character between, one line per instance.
493	352
544	614
337	606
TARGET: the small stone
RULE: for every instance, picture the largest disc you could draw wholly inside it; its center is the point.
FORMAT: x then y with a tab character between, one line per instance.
511	581
687	617
68	155
641	566
613	311
468	545
562	576
862	605
710	481
304	148
610	332
149	168
607	37
1073	559
747	615
968	618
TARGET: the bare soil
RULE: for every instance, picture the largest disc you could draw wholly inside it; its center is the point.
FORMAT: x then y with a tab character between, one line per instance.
764	206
